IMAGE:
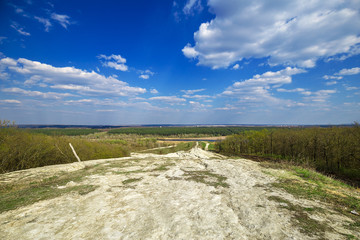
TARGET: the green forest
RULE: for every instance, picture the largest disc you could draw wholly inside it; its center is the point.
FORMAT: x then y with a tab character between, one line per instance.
21	149
335	151
181	131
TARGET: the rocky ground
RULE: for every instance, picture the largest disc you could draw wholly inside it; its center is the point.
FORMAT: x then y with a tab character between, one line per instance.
182	195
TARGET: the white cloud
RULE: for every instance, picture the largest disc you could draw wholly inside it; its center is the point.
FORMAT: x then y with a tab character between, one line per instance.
154	91
168	99
290	90
280	77
114	61
49	95
62	19
105	110
227	108
236	66
68	78
149	72
331	83
189	51
12	101
320	96
117	66
285	32
144	76
114	57
45	21
339	75
2	39
350	88
257	89
192	91
351	71
196	106
196	96
191	6
114	103
19	29
327	77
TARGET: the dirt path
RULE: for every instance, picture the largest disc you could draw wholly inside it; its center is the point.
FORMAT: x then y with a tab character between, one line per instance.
183	195
207	146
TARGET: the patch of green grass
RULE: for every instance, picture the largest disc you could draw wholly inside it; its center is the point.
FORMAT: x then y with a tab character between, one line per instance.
343	203
131	180
163	167
317	178
23	193
350	237
202	145
207	178
309	184
13	199
318	192
129	172
307	225
211	147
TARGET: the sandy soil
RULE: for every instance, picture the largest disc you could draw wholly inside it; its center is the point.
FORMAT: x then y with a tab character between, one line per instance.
195	195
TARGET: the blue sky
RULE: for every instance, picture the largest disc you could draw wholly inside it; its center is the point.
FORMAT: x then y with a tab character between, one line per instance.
180	62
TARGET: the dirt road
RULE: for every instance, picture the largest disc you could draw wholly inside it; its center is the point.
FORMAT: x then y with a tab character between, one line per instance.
183	195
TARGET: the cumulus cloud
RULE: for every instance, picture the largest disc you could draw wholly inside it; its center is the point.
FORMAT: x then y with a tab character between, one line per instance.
11	101
349	88
196	106
331	83
117	66
113	103
284	32
154	91
145	74
19	29
327	77
320	96
191	6
339	75
45	21
257	89
2	39
192	91
189	51
236	66
197	96
68	78
299	90
49	95
62	19
169	99
114	57
351	71
114	61
149	72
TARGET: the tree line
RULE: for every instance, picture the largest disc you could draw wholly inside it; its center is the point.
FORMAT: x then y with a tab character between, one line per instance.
333	150
181	131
